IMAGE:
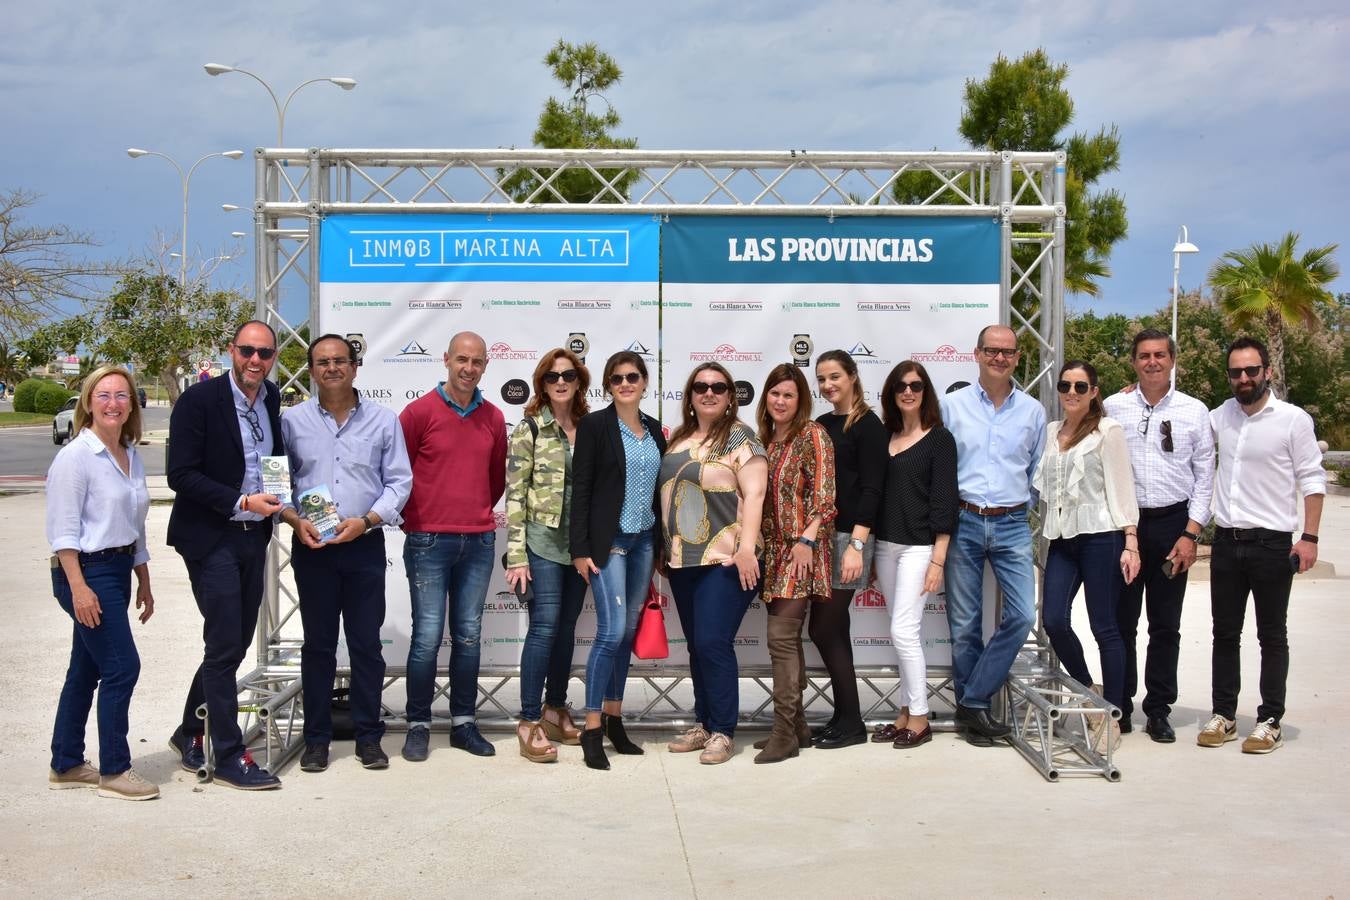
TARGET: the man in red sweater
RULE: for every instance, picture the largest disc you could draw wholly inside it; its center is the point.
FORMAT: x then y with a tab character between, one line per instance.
457	446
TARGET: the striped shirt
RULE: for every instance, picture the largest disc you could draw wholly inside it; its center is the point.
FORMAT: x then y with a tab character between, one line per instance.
1163	478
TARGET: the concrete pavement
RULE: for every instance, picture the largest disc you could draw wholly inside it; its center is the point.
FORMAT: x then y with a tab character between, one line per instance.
945	819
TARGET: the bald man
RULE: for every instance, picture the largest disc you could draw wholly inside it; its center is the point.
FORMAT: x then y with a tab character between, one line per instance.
456	444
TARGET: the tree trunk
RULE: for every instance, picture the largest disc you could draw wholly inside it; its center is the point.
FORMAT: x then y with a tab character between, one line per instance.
1275	325
168	377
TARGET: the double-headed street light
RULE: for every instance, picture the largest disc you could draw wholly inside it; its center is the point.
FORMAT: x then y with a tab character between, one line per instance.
341	81
1183	245
186	179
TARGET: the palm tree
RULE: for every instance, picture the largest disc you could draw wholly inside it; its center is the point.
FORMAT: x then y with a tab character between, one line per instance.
1270	284
11	364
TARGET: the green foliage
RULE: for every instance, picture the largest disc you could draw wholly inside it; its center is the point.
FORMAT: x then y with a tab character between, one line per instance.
585	71
25	395
50	397
12	368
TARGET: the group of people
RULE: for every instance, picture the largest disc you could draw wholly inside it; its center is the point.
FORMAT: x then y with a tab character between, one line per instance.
800	512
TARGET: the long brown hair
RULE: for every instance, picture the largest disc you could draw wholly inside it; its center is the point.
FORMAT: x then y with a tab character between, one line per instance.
718	434
131	428
930	411
859	407
1095	409
784	372
580	405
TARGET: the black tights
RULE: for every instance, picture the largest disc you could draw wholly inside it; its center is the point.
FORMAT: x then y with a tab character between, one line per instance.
829	632
789	607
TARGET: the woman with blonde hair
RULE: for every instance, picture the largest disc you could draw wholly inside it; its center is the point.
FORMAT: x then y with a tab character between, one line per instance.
96	506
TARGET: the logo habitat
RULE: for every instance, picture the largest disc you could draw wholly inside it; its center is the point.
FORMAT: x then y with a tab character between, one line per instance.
725	353
640	349
869	598
863	355
503	350
944	354
412	352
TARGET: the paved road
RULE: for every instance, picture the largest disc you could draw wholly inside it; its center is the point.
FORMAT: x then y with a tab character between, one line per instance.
28	451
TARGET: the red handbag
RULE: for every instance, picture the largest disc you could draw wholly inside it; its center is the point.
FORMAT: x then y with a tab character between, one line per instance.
650	640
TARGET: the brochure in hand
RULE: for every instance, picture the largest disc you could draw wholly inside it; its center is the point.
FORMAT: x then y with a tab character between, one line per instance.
317	505
276	477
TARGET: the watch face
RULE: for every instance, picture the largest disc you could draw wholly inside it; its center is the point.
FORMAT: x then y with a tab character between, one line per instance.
856	544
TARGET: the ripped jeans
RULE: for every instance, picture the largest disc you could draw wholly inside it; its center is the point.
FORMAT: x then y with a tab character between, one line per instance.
619	589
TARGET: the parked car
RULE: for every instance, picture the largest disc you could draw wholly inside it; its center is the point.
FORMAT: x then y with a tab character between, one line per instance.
63	423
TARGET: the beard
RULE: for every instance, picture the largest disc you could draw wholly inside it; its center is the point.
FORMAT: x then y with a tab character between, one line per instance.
1251	392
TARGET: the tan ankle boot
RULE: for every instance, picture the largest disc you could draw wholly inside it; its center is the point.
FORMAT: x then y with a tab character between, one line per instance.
785	637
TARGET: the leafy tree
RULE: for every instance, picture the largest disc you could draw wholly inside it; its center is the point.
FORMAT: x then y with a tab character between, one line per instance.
586	71
12	367
38	266
1273	285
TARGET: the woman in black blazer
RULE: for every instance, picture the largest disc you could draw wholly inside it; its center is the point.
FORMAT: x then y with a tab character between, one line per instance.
613	519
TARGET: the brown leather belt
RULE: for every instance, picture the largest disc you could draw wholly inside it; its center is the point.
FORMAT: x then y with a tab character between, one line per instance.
991	510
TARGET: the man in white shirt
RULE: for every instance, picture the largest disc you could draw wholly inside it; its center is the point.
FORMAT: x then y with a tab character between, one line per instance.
1172	457
1268	455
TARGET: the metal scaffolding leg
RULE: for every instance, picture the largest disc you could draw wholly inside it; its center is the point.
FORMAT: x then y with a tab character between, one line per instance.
1054	719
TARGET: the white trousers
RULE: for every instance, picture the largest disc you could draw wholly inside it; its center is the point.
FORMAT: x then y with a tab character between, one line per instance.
900	572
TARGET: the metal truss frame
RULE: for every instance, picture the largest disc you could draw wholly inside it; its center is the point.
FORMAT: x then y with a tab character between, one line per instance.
1023	191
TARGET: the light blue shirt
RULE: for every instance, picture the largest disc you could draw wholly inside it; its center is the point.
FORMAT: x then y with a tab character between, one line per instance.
254	449
364	462
996	449
642	465
91	504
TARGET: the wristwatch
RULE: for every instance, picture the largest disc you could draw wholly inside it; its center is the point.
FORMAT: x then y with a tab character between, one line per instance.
369	524
1195	538
856	544
803	539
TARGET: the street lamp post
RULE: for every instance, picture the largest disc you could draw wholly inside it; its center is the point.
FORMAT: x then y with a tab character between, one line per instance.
341	81
186	179
1183	245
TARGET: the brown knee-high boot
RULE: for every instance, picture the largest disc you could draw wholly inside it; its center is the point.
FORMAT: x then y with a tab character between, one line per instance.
800	723
785	639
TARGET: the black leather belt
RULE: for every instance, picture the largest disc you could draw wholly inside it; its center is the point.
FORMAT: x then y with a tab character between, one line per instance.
1157	512
1253	534
128	550
990	511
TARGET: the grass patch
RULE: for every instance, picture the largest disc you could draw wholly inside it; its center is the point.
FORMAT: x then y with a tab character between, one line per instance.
12	419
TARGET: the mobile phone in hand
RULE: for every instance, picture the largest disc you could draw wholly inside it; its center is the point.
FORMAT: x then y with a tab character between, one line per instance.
1168	568
1294	563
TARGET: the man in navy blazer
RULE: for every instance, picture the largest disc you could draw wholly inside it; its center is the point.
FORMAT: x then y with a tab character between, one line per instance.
221	524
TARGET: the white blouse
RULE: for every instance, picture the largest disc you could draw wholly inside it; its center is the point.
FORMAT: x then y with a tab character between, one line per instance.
1089	488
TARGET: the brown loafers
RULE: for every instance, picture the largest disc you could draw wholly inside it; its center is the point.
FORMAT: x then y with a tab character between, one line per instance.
905	738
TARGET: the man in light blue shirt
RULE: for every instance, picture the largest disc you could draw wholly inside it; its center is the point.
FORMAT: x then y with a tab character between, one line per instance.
1000	432
356	451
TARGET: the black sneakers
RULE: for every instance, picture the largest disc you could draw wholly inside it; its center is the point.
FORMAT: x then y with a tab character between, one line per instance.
315	758
372	755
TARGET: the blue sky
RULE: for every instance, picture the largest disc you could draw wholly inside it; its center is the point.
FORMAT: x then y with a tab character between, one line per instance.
1232	114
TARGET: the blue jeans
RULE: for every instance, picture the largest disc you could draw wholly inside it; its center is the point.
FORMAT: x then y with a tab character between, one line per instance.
441	566
547	656
1090	561
619	589
102	657
711	604
1005	541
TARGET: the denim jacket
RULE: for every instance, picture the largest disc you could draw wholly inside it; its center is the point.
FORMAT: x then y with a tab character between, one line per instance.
536	466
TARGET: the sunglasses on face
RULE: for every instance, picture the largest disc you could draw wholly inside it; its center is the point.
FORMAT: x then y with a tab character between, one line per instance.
247	351
617	379
1078	387
1236	372
717	387
567	375
909	387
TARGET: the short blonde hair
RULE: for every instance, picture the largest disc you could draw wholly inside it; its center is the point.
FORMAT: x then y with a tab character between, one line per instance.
131	428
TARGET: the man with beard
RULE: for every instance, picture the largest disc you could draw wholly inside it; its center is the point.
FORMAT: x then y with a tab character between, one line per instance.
1268	454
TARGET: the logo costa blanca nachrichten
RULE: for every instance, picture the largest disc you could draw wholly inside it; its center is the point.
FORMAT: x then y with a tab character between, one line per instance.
725	353
503	350
944	354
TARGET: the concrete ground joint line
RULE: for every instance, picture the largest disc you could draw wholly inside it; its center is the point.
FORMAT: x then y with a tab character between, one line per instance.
679	826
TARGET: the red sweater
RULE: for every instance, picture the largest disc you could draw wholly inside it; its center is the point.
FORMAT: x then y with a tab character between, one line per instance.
458	466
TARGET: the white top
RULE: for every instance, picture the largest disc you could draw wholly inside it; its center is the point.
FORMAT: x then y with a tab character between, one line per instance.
91	504
1266	461
1162	478
1087	489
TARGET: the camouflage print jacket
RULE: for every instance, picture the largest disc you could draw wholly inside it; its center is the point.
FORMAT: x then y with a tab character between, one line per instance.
536	466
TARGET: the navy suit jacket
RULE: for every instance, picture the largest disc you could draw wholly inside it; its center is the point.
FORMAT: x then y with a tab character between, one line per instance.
206	463
598	482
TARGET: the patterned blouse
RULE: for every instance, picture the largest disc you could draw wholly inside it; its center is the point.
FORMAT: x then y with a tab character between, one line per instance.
801	487
700	501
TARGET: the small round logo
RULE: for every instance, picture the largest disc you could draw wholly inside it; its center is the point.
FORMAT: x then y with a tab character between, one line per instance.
745	393
516	392
801	348
578	344
358	341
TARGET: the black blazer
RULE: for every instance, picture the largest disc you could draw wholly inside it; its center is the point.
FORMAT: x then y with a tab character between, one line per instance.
206	462
598	467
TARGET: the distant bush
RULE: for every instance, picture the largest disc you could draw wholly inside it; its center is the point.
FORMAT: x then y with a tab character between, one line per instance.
50	398
25	395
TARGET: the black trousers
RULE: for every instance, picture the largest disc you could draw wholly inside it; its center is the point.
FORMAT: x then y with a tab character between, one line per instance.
1259	567
227	583
346	581
1162	597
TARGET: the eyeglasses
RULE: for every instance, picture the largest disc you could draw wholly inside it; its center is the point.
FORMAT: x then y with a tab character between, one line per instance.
264	353
251	416
995	352
616	379
1236	372
1166	430
1143	423
909	387
1078	387
336	362
568	375
717	387
105	397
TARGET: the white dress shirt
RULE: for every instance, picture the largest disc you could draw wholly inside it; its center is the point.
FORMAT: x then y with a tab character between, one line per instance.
1162	478
1087	489
91	503
1266	462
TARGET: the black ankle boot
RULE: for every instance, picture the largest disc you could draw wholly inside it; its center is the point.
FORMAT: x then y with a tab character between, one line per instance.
593	748
612	726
